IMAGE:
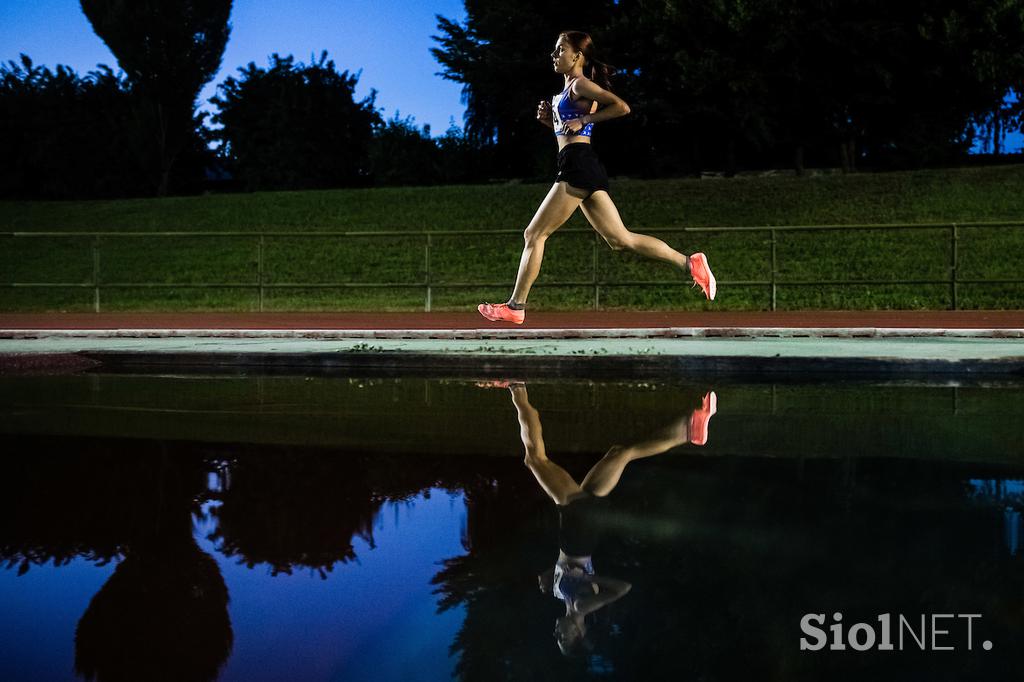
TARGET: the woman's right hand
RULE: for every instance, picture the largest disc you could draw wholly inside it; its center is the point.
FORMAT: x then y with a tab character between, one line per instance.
544	111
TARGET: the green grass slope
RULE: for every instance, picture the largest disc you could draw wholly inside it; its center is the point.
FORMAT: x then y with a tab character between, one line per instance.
859	265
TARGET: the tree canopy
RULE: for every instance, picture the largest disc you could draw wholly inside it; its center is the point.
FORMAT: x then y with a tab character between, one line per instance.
169	50
67	136
712	84
730	83
295	125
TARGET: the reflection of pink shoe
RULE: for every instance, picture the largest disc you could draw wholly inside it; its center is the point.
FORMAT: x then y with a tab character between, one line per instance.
500	383
500	312
700	418
701	273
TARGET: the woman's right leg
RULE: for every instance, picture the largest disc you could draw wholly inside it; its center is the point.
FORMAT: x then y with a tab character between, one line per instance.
555	480
557	207
601	212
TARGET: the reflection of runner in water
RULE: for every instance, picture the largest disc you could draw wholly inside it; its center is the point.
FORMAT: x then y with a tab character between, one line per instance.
573	579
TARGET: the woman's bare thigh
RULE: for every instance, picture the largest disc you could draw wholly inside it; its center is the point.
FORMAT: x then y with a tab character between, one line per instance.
601	213
557	207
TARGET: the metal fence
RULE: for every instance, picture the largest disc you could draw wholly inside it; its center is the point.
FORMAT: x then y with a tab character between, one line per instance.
772	281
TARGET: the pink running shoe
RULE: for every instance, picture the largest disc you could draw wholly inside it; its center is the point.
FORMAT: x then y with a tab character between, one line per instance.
500	312
701	273
700	418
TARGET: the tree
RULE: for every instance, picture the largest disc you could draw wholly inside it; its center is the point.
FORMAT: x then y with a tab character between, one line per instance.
727	83
402	154
169	50
295	126
66	136
702	69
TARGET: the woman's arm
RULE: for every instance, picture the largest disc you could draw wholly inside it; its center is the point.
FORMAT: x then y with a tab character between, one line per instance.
611	589
611	105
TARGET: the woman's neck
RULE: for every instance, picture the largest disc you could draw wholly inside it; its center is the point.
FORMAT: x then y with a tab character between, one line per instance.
575	73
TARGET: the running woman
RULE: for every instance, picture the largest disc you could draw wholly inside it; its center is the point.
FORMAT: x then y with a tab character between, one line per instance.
581	180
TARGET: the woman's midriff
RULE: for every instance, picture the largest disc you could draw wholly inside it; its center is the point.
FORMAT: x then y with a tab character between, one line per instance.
564	140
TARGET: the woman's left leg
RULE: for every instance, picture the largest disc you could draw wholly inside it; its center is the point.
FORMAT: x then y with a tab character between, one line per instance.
602	214
604	475
557	207
556	481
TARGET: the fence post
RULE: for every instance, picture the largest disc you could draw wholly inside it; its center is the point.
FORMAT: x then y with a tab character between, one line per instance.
259	270
96	272
773	269
952	269
426	258
593	266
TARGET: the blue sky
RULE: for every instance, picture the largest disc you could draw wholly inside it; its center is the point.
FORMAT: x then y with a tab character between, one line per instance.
388	39
1013	142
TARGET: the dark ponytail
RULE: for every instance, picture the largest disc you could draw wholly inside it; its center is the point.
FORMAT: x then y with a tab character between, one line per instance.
599	72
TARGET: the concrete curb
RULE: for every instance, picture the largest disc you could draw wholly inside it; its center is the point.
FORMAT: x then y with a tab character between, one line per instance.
647	352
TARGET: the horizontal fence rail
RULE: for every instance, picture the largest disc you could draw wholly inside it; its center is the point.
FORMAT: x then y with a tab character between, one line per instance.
259	240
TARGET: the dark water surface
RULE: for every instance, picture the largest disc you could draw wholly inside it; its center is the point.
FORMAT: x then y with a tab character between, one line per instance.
326	528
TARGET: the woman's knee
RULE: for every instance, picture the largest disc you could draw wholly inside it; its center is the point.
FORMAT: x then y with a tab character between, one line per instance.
534	460
534	235
620	242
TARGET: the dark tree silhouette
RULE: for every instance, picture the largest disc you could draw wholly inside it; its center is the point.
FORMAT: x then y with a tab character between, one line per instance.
162	615
67	136
402	154
169	49
293	511
295	126
751	83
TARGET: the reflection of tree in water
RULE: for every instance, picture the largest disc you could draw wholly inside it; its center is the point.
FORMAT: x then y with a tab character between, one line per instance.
303	508
285	507
62	499
162	615
724	555
50	513
293	510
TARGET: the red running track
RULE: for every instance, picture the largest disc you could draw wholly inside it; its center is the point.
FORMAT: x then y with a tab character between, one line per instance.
961	319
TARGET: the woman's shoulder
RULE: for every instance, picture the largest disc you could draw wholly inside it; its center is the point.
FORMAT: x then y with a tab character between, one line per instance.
574	87
585	87
578	80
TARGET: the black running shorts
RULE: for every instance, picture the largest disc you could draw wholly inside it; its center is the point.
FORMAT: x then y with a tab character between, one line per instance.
578	165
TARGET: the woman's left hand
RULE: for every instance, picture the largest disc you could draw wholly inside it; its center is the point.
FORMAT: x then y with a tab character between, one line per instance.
573	126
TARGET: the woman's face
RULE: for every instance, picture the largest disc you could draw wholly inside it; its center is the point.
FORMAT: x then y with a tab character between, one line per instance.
568	633
562	56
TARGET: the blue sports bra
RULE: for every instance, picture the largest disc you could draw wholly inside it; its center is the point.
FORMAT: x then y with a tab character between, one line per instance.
564	109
